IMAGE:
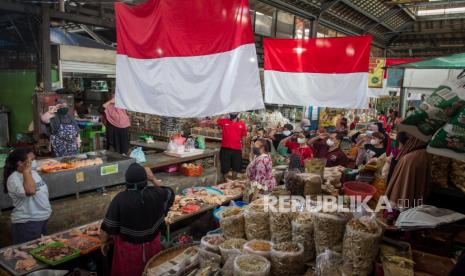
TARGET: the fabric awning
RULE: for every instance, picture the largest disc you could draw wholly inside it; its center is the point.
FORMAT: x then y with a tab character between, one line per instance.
456	61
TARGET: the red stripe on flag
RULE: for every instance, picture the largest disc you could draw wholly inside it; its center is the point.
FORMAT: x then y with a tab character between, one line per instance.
180	28
320	55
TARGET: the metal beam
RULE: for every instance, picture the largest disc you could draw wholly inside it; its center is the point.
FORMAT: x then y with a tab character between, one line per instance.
328	5
383	18
435	31
20	8
46	51
92	34
94	21
365	13
289	8
440	17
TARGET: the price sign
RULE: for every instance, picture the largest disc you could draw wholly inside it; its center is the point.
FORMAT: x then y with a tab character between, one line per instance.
110	169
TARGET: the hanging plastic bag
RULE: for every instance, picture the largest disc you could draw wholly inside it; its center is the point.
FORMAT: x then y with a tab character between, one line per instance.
138	154
201	142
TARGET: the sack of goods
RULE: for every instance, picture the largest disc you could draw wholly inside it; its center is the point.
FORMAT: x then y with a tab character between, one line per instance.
287	259
445	102
302	232
258	247
232	222
231	248
212	242
257	222
361	244
329	230
251	265
281	226
331	263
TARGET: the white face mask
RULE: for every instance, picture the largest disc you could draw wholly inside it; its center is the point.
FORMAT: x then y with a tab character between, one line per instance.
286	133
369	132
330	142
34	165
374	142
301	140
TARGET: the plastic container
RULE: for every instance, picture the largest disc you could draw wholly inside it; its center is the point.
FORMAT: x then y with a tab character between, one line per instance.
355	188
85	250
191	171
35	252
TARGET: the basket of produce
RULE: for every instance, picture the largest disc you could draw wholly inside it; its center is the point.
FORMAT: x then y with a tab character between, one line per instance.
55	253
84	243
178	260
251	265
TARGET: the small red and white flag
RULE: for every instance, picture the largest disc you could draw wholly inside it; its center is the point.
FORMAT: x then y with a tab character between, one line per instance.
186	58
325	72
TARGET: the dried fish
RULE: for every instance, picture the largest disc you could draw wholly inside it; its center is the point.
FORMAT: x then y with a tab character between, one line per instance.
258	247
281	226
257	222
211	242
287	259
231	248
329	230
251	265
302	232
232	222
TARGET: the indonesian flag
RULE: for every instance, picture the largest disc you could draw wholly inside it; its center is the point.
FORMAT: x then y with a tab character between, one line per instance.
325	72
186	58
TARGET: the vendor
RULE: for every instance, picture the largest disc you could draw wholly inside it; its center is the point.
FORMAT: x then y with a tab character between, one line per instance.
342	127
299	149
318	143
376	147
354	123
277	137
134	221
335	156
261	168
409	184
117	127
64	130
29	194
231	145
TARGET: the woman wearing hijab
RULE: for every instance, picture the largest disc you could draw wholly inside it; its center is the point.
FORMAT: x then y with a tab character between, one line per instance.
411	173
134	220
64	136
117	127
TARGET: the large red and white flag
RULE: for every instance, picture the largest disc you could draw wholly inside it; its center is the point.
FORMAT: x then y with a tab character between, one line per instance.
325	72
186	58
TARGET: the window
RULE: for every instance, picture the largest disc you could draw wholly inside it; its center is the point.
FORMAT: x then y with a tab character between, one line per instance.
302	28
263	19
285	25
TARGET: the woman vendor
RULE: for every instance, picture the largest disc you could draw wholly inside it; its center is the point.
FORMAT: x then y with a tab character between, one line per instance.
374	147
117	127
260	170
409	184
29	194
64	136
134	220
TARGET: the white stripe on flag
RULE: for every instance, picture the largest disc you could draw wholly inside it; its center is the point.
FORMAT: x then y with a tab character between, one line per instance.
315	89
221	83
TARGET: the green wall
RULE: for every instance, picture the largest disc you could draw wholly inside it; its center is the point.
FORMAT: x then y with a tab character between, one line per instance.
16	89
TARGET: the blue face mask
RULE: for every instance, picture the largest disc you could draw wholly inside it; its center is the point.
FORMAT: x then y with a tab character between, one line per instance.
63	111
34	165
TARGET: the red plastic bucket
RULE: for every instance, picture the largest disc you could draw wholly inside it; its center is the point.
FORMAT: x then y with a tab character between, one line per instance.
356	188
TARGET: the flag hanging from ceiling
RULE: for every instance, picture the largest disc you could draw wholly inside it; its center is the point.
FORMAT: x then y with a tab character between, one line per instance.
186	58
325	72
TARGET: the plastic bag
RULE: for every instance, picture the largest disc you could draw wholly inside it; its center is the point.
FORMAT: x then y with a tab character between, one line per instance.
251	265
445	102
329	231
232	222
228	267
201	142
138	154
281	226
257	222
287	259
330	263
302	232
449	141
207	242
190	145
258	247
231	248
361	244
209	259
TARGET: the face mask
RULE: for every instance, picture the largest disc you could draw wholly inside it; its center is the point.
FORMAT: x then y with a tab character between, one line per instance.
256	151
374	142
34	165
232	116
330	142
300	140
63	111
369	132
286	133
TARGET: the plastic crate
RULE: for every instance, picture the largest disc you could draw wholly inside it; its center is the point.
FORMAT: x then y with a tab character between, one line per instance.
35	252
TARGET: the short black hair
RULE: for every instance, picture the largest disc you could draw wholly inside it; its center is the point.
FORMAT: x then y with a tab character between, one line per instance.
340	136
289	127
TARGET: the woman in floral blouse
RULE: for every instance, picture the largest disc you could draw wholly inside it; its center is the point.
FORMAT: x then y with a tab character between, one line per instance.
260	170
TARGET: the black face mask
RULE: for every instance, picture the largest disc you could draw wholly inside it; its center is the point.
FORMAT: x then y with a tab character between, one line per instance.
256	151
232	116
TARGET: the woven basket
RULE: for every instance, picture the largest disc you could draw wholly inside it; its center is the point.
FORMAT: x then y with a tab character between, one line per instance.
173	252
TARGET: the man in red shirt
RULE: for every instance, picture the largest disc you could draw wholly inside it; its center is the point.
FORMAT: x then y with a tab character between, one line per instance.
231	146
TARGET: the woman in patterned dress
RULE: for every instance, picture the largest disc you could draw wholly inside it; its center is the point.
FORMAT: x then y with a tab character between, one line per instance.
260	170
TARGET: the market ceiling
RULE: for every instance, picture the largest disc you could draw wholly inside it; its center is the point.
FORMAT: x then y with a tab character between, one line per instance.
404	27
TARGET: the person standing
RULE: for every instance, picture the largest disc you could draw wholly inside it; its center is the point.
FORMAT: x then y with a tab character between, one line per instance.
134	220
231	146
318	143
64	130
261	168
354	123
117	127
335	156
284	133
29	194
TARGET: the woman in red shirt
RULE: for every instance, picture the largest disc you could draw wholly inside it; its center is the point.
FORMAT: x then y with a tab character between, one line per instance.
298	147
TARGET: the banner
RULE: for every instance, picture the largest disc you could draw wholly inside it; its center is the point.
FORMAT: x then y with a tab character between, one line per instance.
376	72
